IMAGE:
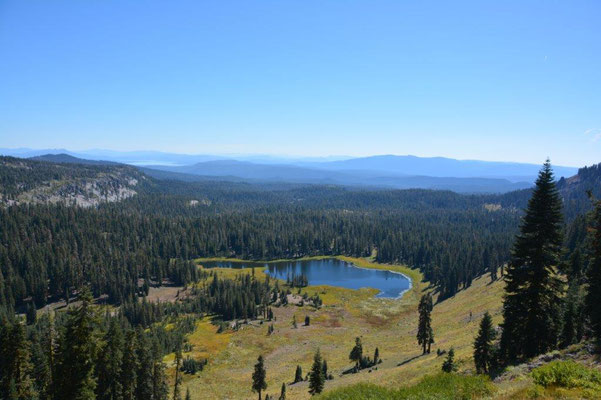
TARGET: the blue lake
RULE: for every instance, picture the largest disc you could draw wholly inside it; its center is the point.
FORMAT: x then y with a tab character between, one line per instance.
331	272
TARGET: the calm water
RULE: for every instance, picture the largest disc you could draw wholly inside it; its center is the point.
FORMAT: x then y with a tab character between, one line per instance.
331	272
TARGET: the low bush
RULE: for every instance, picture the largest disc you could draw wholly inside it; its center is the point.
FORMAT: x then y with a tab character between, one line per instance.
567	374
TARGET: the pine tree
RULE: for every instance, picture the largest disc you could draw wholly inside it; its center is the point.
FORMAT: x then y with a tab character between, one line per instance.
425	335
357	352
77	352
283	392
316	378
160	388
449	364
376	356
483	345
31	314
188	397
298	374
109	364
130	366
259	377
533	290
15	364
571	316
593	296
178	375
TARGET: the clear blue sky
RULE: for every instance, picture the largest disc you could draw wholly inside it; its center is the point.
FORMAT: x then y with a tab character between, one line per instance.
493	80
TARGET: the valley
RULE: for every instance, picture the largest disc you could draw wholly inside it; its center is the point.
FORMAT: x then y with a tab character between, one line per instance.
389	324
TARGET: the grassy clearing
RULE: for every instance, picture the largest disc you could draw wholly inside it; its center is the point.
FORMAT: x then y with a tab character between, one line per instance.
440	386
389	324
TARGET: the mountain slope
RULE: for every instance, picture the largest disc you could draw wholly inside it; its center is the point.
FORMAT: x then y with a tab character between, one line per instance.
25	181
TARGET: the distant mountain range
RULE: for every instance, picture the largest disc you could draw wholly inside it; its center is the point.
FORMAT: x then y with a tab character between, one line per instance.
385	171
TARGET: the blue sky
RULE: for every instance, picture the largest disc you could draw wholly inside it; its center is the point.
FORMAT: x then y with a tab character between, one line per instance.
492	80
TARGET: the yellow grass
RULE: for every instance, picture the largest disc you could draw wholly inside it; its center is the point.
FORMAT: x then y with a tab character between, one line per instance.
389	324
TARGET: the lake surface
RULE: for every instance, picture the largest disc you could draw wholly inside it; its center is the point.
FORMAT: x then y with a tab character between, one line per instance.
331	272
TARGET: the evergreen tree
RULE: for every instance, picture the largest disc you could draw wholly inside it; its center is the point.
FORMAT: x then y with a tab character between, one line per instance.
130	366
298	374
593	296
483	345
41	356
425	335
259	377
316	378
110	363
283	392
324	368
77	352
531	307
31	314
357	352
449	364
15	364
307	320
572	320
160	388
178	375
188	397
376	356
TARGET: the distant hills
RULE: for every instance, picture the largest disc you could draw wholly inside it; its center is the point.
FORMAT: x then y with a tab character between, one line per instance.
383	171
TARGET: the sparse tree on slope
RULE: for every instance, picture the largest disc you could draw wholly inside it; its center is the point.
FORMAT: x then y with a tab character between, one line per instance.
298	374
283	392
483	345
356	352
259	377
449	364
316	377
425	335
531	307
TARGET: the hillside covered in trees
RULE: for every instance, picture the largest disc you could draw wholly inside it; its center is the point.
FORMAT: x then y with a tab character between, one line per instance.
53	251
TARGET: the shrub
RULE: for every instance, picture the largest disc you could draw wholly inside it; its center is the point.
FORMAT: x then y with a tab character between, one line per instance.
567	374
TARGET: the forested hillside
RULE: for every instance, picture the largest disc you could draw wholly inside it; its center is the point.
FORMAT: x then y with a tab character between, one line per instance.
49	250
33	182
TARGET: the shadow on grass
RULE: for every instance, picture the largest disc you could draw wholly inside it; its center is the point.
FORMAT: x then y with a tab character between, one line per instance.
407	361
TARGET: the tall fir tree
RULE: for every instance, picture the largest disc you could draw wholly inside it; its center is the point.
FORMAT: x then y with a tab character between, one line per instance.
425	334
259	377
129	371
144	374
77	352
15	364
316	376
531	307
593	296
160	388
110	364
484	352
177	395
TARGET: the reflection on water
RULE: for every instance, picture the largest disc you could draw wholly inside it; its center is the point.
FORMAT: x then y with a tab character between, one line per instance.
331	272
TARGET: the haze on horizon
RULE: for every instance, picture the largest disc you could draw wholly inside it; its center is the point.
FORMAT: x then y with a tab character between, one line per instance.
516	81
